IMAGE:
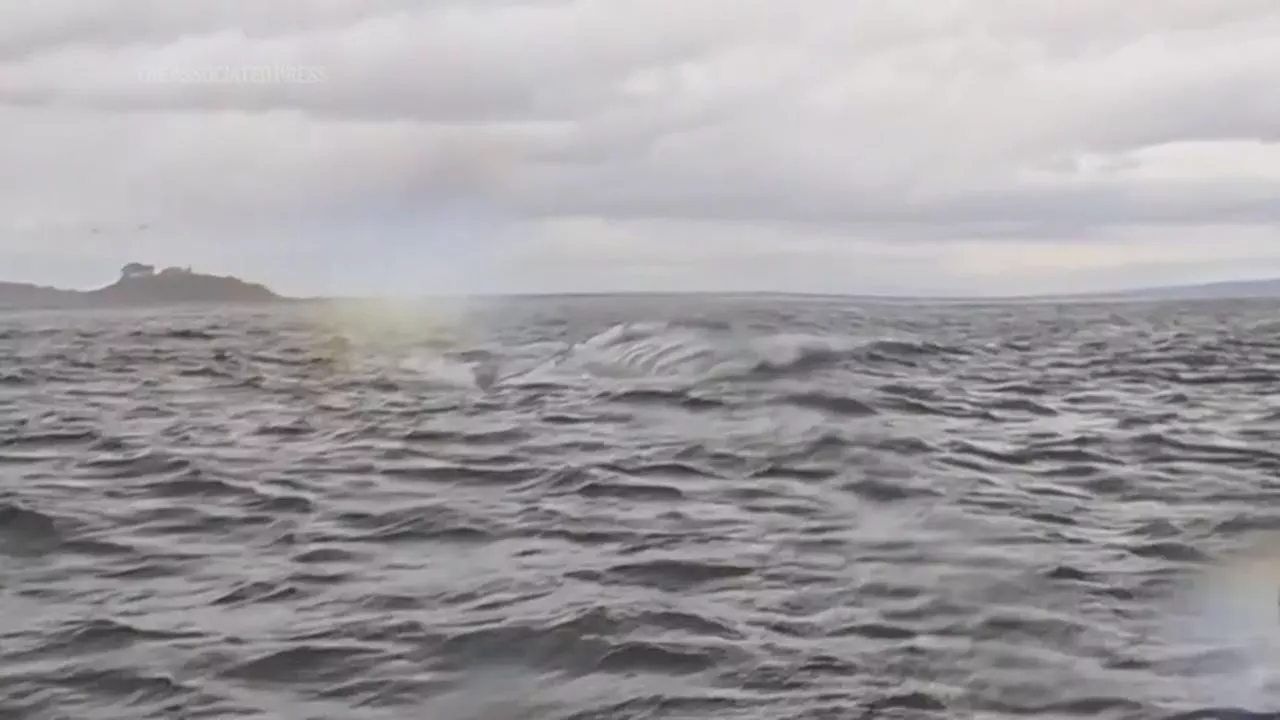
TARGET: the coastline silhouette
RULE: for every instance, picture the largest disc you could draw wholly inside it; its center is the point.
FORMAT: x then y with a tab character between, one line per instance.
140	284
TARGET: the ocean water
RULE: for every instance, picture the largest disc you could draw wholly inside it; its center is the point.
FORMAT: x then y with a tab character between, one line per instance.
641	508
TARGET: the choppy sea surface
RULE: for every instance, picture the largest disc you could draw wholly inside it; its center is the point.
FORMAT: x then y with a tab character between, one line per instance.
641	508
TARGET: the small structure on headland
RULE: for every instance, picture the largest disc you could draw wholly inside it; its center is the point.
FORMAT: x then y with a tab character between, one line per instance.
136	270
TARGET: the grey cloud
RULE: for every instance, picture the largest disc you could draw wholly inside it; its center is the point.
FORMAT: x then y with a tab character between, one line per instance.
443	62
34	28
1030	119
160	168
1007	209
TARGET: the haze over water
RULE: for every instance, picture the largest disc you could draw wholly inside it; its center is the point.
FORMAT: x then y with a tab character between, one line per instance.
640	507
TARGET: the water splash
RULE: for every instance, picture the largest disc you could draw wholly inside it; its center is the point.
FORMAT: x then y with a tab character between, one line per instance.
683	353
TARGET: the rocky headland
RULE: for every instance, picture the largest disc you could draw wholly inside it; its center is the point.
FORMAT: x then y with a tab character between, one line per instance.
140	285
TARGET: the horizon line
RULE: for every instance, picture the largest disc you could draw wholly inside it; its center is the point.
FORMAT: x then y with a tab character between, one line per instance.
1129	293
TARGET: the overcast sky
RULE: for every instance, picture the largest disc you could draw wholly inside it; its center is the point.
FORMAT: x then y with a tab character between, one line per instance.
869	146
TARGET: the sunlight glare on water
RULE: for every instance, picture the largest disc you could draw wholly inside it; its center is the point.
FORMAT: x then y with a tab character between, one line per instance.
1232	615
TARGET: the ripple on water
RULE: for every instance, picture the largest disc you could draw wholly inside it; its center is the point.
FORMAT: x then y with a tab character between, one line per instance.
604	508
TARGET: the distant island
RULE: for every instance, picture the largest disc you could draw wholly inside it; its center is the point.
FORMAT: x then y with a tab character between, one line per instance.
140	285
1230	289
1223	290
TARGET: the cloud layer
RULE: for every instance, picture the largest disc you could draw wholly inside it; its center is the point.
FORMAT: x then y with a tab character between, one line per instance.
1001	146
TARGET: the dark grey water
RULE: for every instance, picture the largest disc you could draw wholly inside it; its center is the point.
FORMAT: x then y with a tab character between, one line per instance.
626	508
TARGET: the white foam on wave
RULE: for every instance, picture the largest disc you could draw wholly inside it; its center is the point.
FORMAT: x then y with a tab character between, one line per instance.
661	351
